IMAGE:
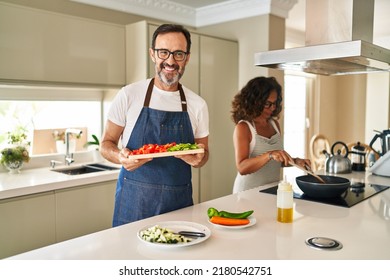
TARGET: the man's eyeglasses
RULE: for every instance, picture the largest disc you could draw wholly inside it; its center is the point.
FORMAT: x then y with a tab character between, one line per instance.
177	55
268	104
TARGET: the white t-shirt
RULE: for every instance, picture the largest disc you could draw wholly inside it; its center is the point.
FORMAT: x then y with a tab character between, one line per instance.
129	102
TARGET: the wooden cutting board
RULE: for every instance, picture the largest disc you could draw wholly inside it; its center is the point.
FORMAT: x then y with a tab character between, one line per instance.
167	154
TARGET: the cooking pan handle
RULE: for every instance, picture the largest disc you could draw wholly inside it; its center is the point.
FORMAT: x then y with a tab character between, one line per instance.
343	144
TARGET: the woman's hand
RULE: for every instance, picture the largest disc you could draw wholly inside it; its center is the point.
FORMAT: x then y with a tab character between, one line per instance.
305	163
281	156
131	164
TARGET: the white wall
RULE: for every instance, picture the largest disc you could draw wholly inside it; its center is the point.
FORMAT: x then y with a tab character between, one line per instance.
378	103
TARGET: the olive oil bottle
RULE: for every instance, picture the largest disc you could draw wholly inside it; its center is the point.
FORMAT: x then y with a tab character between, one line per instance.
284	201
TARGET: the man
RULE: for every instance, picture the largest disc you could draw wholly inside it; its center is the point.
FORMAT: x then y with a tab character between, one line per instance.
156	111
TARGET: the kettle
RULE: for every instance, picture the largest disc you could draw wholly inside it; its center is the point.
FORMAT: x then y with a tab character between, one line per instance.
384	136
337	163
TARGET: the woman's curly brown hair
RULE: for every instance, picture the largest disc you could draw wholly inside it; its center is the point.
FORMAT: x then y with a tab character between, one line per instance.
248	103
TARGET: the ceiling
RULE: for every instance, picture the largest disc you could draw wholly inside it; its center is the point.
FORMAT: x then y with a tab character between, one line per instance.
199	3
198	13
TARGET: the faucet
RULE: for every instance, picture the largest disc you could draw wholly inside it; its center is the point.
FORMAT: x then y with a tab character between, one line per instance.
53	163
68	155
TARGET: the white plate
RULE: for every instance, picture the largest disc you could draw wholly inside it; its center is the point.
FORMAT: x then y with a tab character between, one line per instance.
252	221
167	154
177	226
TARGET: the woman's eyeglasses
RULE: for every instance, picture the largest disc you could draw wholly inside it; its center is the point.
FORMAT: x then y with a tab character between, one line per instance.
177	55
268	104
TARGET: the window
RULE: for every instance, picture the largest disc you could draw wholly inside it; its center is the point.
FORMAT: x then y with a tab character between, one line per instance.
42	111
295	119
295	115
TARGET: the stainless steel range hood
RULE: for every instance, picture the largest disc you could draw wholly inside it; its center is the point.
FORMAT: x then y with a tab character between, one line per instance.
339	41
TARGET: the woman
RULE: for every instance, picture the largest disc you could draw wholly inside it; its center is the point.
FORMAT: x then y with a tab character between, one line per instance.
257	137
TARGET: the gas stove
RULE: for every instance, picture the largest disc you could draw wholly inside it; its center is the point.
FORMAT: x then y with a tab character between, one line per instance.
356	193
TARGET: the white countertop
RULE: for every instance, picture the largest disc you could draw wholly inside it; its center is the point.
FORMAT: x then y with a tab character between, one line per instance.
37	180
363	230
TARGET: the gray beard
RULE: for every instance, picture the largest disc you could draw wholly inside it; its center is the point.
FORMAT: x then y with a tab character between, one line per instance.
165	80
169	82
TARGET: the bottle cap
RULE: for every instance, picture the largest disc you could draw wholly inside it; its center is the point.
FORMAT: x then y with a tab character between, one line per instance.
284	186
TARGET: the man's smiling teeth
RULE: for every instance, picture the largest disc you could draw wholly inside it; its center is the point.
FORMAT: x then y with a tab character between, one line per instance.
170	68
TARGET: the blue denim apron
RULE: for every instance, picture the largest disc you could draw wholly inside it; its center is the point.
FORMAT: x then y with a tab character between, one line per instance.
163	184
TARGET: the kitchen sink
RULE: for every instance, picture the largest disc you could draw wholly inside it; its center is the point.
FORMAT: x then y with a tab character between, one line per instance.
85	169
102	166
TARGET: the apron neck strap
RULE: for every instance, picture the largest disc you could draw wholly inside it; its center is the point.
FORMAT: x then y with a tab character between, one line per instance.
182	99
149	95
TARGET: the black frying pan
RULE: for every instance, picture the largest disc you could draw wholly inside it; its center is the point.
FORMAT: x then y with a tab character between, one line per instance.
334	186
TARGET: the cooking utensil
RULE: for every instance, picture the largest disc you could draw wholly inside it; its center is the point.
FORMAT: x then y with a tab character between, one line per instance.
334	186
308	170
192	233
167	154
338	163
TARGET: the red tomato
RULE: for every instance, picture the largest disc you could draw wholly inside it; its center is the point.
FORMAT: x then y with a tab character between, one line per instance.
149	148
152	148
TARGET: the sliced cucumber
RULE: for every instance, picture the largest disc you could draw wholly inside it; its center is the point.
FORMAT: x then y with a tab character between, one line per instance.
157	234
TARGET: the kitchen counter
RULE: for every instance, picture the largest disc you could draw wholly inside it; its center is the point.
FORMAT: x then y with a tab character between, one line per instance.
38	180
60	206
363	230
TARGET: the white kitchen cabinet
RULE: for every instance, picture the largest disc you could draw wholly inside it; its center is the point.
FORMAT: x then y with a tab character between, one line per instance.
212	73
26	223
33	221
84	209
218	84
41	46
